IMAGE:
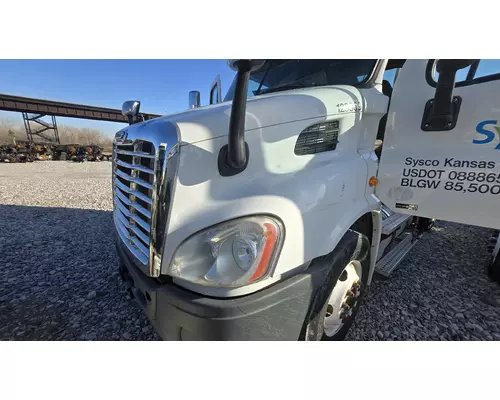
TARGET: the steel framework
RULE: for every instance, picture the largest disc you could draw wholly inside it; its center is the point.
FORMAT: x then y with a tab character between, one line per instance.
41	128
34	109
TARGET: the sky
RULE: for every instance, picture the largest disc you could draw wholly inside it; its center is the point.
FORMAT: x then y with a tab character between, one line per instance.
162	86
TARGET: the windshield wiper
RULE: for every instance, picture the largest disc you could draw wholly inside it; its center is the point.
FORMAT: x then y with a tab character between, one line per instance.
295	85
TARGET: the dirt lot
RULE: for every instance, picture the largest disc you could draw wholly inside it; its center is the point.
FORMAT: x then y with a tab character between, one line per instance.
58	277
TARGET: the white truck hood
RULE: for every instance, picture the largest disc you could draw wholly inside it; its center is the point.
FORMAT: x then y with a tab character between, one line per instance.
209	122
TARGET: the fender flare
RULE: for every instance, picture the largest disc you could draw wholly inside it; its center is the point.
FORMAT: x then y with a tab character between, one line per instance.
373	236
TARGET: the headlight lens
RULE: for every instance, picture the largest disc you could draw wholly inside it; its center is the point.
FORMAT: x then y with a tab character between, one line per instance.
231	254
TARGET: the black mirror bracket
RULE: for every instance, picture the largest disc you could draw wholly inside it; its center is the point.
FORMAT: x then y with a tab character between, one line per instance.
227	170
441	112
433	120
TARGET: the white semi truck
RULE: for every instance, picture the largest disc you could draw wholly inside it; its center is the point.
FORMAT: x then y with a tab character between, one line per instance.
265	215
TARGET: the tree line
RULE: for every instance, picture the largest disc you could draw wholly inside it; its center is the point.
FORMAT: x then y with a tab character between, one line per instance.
67	135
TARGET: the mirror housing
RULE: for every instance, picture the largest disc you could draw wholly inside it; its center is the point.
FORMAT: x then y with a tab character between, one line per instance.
442	66
130	109
441	112
194	99
256	64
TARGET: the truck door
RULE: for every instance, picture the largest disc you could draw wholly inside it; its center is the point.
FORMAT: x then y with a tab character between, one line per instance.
441	151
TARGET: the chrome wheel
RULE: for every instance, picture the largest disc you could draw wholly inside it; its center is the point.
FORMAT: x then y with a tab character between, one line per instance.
343	299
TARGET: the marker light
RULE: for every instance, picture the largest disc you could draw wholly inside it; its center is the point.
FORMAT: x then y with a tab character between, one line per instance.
373	181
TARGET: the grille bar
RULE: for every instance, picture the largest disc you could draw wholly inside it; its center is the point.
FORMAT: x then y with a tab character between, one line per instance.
137	232
125	237
140	246
139	181
137	194
133	228
137	220
136	167
134	153
119	196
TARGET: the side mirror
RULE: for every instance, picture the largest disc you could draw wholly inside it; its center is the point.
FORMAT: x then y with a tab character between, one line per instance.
442	66
441	112
254	65
130	109
194	99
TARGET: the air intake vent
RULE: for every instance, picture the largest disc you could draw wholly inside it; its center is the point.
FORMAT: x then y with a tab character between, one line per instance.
318	138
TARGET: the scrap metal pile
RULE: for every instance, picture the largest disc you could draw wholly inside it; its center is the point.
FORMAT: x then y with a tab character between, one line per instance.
24	151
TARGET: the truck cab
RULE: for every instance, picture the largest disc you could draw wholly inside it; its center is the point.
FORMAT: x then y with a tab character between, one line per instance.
266	214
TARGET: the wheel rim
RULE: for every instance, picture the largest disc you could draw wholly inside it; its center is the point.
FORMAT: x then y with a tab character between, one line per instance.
343	299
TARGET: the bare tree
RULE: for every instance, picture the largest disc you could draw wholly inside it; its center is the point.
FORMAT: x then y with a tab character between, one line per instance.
9	131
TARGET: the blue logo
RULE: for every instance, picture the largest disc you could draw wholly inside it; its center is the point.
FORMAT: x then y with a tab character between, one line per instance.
489	134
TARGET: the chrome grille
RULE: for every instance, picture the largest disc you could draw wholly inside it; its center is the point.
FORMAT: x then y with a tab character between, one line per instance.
133	185
145	164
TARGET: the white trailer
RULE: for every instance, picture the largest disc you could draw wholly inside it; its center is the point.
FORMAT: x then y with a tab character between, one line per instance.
265	214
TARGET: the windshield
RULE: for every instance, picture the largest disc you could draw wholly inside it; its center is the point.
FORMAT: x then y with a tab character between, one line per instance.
279	75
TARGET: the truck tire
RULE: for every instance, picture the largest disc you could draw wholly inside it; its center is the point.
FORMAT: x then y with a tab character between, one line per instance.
425	224
428	224
339	295
494	269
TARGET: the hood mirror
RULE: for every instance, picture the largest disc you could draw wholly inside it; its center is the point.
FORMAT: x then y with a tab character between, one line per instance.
130	109
255	64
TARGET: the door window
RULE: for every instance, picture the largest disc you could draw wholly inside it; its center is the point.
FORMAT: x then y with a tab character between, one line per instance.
481	71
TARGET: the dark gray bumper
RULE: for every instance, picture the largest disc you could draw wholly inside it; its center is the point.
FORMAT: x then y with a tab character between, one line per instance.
274	313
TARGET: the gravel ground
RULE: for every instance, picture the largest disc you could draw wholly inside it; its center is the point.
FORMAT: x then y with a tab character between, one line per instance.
58	277
439	292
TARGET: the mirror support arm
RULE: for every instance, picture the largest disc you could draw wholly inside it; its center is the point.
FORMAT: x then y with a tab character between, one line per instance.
443	107
233	157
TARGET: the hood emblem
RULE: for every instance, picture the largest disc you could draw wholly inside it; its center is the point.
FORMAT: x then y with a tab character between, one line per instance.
121	136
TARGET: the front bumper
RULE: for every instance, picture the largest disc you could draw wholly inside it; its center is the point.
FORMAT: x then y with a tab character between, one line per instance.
274	313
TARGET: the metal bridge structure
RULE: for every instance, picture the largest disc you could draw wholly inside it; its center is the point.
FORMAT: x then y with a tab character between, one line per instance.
34	110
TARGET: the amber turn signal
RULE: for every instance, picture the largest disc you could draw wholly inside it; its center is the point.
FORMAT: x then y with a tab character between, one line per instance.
373	181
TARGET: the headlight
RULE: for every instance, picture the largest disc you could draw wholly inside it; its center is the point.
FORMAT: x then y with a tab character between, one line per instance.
231	254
